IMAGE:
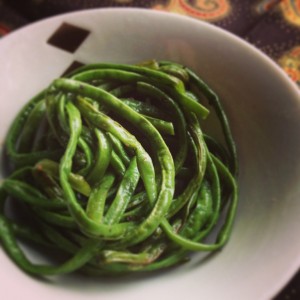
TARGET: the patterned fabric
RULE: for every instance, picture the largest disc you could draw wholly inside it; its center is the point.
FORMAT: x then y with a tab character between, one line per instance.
271	25
10	19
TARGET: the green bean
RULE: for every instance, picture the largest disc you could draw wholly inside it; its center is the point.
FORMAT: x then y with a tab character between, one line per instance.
96	202
52	102
144	160
47	184
28	133
200	214
119	149
58	123
201	157
55	218
102	158
117	164
124	193
9	243
162	126
146	170
110	168
202	86
88	226
29	234
56	236
136	213
21	158
29	194
77	181
176	71
225	230
123	90
87	155
109	72
132	74
144	108
179	120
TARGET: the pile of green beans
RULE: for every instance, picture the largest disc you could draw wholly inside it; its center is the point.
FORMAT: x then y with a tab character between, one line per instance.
110	172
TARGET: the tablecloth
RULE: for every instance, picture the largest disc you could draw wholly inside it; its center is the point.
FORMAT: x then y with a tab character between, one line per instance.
273	26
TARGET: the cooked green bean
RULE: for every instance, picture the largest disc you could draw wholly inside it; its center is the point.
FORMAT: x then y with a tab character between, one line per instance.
30	195
110	167
96	202
12	139
28	133
124	194
77	181
103	157
119	149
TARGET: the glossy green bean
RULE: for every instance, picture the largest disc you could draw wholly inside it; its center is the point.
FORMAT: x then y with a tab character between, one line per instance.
103	157
124	194
144	161
144	108
28	133
114	172
179	121
79	259
77	181
117	164
87	225
96	202
119	149
21	158
29	194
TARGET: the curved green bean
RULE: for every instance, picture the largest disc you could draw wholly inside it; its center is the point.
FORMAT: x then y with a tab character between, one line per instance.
111	169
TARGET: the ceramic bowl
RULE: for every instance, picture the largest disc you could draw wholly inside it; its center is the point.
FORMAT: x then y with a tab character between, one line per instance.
263	108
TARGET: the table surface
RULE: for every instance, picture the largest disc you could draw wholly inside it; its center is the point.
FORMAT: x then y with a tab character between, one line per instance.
273	26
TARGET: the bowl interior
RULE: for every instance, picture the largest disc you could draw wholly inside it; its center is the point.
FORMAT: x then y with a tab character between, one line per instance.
263	107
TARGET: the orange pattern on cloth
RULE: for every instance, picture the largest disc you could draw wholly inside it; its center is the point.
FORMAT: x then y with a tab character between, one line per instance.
290	62
272	25
209	10
262	6
215	10
291	11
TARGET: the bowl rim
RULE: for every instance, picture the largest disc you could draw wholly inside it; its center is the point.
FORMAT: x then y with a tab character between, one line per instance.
282	281
272	63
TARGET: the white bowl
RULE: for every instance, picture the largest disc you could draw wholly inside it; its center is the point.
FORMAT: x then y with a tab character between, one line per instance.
264	110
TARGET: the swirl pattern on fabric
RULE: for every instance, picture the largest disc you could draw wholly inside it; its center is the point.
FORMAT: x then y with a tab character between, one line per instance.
291	11
290	62
211	10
